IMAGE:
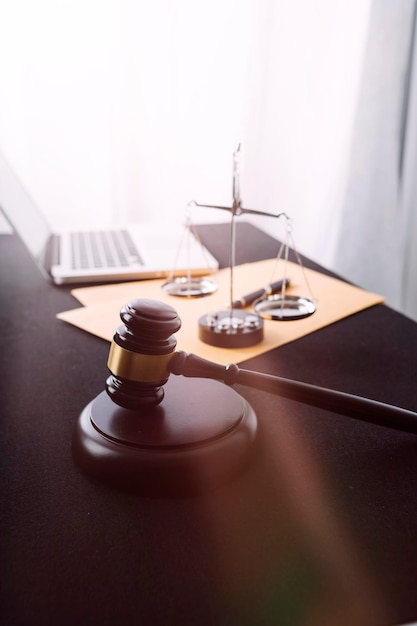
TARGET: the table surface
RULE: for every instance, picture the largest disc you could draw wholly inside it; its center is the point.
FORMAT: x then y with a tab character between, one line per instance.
321	527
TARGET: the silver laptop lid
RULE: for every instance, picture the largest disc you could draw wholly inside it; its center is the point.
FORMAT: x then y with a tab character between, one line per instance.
22	213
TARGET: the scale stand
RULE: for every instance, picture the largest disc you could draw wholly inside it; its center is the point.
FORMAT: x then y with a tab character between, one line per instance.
232	328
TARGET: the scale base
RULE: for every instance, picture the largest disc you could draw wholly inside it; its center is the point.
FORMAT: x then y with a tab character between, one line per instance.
231	329
197	438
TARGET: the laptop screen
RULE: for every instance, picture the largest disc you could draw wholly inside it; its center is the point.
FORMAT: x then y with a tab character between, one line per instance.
21	212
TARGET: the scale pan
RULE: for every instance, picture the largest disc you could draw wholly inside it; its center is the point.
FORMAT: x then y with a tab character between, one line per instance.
184	287
284	308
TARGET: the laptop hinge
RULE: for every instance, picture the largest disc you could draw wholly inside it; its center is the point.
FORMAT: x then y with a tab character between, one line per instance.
50	253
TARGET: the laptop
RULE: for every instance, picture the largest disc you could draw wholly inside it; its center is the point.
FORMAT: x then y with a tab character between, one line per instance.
112	254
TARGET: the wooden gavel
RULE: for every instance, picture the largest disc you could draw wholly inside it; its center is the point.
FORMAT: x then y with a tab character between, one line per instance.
142	356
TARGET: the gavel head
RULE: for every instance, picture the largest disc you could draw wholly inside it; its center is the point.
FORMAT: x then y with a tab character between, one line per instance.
140	352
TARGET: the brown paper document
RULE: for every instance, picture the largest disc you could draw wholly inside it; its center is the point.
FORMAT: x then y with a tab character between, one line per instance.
336	299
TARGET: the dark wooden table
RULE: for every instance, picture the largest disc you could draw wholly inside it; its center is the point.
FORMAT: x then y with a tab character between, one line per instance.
320	529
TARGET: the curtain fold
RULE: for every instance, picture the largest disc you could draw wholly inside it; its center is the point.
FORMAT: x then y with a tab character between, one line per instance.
377	233
408	193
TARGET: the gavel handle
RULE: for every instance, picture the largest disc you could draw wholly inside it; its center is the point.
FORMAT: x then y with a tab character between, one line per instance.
329	399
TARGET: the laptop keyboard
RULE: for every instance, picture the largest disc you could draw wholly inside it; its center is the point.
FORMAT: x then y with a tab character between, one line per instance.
98	249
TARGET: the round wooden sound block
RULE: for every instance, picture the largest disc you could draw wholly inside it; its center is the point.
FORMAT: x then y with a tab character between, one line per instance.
198	437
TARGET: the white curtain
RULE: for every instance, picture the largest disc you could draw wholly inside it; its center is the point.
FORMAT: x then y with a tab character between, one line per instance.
377	239
128	109
408	192
131	108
